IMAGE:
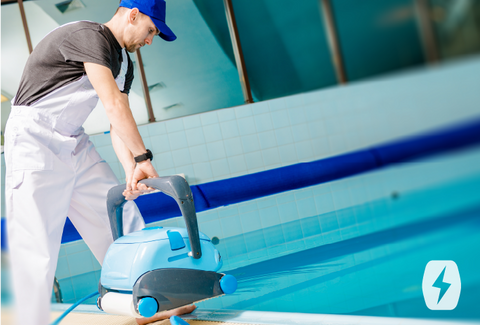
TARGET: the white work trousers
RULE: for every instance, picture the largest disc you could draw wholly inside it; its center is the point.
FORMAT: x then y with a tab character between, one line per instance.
50	176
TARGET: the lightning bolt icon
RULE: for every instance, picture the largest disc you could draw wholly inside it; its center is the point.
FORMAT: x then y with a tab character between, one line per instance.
443	286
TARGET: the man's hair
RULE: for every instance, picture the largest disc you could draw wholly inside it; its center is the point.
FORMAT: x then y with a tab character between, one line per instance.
120	10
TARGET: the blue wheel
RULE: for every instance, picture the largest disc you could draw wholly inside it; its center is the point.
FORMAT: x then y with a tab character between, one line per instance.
147	307
228	283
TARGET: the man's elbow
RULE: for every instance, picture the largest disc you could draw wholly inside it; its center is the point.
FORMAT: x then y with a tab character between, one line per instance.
113	105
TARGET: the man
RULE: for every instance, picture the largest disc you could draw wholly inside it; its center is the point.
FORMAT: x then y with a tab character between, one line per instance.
52	169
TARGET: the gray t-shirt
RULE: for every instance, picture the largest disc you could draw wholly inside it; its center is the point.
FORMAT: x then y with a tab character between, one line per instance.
58	59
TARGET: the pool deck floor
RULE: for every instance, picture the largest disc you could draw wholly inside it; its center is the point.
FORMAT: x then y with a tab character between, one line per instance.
236	317
103	319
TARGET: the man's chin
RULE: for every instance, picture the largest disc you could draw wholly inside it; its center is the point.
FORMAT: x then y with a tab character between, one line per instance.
131	48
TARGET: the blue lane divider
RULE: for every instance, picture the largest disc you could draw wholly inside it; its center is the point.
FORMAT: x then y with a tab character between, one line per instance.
4	234
158	206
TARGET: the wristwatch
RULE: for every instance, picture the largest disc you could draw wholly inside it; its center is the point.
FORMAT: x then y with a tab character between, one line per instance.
145	156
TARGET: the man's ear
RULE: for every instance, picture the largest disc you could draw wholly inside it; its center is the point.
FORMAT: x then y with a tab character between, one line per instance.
133	15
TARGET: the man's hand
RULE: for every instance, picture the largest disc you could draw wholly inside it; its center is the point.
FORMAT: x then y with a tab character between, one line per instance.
133	194
141	171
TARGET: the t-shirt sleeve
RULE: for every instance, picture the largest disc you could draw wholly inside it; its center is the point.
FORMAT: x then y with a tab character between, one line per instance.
128	77
87	45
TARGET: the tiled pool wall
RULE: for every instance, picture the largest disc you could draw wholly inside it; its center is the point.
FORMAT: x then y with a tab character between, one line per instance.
246	139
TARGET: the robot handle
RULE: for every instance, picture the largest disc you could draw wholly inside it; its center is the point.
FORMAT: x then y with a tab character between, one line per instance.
173	186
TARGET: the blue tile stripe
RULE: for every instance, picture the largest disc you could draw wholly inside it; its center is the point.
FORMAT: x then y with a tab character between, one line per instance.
248	187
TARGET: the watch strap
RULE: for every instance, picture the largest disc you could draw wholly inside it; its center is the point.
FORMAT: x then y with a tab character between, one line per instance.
145	156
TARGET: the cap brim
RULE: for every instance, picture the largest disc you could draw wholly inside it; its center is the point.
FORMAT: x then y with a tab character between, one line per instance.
165	32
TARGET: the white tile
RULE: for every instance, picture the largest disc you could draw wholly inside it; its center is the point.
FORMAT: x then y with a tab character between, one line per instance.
212	133
178	140
280	119
250	221
304	150
192	121
233	146
300	132
259	108
194	136
203	171
271	157
269	216
156	128
237	164
288	154
246	125
229	129
267	139
321	147
250	143
243	111
216	150
276	104
284	136
220	167
231	226
164	160
80	263
208	215
212	228
174	125
263	122
226	114
209	118
294	101
296	115
160	143
199	153
189	173
143	130
63	270
254	160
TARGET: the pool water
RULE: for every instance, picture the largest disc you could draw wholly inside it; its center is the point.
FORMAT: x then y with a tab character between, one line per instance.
377	274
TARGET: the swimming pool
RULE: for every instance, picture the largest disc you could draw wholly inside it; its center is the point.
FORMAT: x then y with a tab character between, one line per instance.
366	258
379	270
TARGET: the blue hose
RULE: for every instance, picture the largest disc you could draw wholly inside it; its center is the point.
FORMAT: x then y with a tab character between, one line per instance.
72	307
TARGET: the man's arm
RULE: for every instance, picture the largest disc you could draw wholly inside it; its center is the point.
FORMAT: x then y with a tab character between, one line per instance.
122	124
128	163
123	153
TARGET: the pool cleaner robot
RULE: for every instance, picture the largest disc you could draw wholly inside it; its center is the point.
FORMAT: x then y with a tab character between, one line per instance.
159	268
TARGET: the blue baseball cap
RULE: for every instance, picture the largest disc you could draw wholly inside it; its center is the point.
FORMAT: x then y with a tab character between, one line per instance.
155	9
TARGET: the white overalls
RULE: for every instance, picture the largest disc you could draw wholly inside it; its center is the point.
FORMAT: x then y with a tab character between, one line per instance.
53	171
